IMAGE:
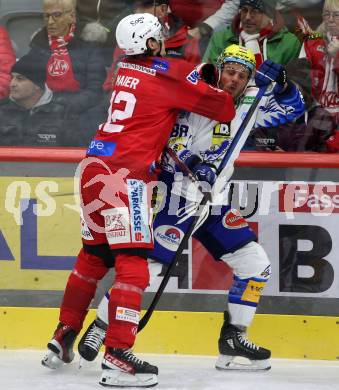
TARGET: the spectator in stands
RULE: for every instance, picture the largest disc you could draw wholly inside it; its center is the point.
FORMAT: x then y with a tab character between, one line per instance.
322	51
178	42
75	68
32	116
225	10
7	59
106	12
204	16
311	132
308	9
193	12
258	27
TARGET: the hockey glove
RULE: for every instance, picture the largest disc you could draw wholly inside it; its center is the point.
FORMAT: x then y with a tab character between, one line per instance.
202	171
205	172
189	159
208	73
269	72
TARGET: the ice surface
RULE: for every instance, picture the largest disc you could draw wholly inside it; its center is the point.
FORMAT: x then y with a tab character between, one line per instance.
22	370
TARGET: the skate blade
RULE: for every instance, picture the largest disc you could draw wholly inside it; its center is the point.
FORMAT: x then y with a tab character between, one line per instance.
52	361
238	363
84	364
116	378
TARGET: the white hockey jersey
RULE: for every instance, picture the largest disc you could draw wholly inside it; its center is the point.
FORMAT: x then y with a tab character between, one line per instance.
210	139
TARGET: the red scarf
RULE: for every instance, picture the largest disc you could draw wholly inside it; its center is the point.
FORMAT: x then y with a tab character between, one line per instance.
60	75
255	42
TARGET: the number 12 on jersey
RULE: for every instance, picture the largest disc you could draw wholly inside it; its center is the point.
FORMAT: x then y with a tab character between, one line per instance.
115	115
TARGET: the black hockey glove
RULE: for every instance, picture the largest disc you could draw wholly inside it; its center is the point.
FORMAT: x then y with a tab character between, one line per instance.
208	73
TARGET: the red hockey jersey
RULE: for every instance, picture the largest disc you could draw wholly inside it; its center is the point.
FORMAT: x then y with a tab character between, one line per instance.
147	97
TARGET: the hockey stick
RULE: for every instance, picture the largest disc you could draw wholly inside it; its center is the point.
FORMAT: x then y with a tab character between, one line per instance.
230	155
184	169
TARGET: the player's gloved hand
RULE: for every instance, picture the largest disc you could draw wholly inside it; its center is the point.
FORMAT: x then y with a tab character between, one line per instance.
189	159
202	171
208	73
205	172
269	72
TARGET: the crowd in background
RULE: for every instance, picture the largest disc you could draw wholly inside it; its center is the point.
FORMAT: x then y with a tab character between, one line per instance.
58	93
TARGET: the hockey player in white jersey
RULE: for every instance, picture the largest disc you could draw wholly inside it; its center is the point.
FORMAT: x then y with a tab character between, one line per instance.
201	143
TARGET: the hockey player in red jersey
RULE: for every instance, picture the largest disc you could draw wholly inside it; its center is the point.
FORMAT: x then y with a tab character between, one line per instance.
116	218
201	143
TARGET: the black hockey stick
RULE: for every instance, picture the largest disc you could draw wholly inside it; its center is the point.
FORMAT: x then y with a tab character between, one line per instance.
230	155
184	169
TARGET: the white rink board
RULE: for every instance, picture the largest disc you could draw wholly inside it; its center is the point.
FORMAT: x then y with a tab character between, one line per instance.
313	205
21	370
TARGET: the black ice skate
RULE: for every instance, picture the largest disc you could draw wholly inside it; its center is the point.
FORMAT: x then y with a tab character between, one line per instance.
60	347
121	368
233	344
92	340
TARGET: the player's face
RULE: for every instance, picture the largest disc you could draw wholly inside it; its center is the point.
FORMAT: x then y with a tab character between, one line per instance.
234	78
252	20
58	19
331	20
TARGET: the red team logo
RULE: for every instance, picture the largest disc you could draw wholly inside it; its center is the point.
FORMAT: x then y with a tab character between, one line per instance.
233	220
58	67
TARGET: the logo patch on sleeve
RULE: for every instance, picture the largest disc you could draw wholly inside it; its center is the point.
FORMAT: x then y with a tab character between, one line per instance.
193	77
128	315
234	220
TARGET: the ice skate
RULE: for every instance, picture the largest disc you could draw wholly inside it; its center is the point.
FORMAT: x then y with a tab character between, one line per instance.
239	353
92	340
121	368
60	347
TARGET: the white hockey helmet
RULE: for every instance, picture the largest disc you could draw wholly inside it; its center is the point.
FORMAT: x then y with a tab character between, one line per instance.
134	30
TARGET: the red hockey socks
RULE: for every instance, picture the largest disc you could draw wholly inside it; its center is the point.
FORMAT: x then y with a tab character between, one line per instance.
132	277
80	289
